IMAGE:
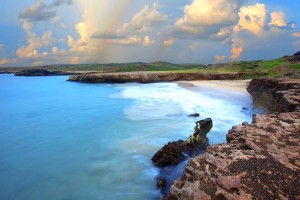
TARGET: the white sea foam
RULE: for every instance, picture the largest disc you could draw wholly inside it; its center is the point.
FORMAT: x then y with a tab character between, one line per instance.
163	101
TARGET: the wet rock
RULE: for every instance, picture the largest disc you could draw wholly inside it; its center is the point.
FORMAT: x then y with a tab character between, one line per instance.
244	108
170	154
175	152
161	183
194	115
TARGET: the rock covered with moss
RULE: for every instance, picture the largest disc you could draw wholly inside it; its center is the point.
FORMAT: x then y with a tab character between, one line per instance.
175	152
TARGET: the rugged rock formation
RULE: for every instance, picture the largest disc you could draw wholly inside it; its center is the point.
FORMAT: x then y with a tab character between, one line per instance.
40	72
276	95
259	161
175	152
149	77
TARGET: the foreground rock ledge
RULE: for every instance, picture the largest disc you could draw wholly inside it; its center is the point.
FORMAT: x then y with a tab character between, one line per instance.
259	161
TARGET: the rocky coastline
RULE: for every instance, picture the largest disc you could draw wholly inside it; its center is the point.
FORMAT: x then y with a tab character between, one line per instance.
260	160
151	77
42	72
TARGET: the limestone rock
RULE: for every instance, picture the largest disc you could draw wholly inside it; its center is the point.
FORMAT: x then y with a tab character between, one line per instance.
276	95
259	161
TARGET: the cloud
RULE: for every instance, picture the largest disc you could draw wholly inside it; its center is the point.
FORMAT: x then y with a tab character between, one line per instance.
296	34
56	51
252	18
70	41
34	43
38	63
5	61
107	35
222	34
168	42
220	58
1	46
206	16
39	11
147	18
236	52
127	41
59	3
147	41
278	19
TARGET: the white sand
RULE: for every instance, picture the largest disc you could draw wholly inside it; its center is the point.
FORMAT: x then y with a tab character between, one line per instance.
232	85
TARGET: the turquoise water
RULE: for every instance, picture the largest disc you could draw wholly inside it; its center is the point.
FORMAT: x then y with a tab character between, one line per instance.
67	140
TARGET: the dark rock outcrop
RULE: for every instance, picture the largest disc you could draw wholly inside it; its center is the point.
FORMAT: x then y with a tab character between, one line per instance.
175	152
276	95
194	115
172	158
294	59
161	183
150	77
40	72
259	161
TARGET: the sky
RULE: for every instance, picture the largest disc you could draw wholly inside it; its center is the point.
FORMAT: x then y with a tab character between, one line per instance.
45	32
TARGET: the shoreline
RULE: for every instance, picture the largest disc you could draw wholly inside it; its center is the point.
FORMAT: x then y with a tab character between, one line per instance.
259	159
229	85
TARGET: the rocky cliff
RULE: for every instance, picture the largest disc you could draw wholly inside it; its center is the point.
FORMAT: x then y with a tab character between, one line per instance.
149	77
259	161
276	95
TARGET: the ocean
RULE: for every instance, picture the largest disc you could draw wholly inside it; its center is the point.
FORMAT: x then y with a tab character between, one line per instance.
67	140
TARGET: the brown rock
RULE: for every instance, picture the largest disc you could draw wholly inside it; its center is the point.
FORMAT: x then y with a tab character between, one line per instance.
161	183
229	182
276	95
259	161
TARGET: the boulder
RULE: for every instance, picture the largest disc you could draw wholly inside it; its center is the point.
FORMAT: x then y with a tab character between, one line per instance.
175	152
161	183
194	115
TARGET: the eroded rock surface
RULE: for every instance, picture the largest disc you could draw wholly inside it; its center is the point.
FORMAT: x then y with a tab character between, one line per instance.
259	161
276	95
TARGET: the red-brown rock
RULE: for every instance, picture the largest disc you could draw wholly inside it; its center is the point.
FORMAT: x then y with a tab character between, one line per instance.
260	160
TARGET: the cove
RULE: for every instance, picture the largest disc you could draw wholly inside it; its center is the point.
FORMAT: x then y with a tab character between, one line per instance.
68	140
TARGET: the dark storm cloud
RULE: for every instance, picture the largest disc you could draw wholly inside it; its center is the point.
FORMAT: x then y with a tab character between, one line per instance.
40	11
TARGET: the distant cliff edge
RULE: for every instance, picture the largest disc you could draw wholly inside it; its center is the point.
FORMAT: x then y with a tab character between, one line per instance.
150	77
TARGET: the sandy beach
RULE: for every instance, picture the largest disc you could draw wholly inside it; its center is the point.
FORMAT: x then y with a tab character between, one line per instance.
232	85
